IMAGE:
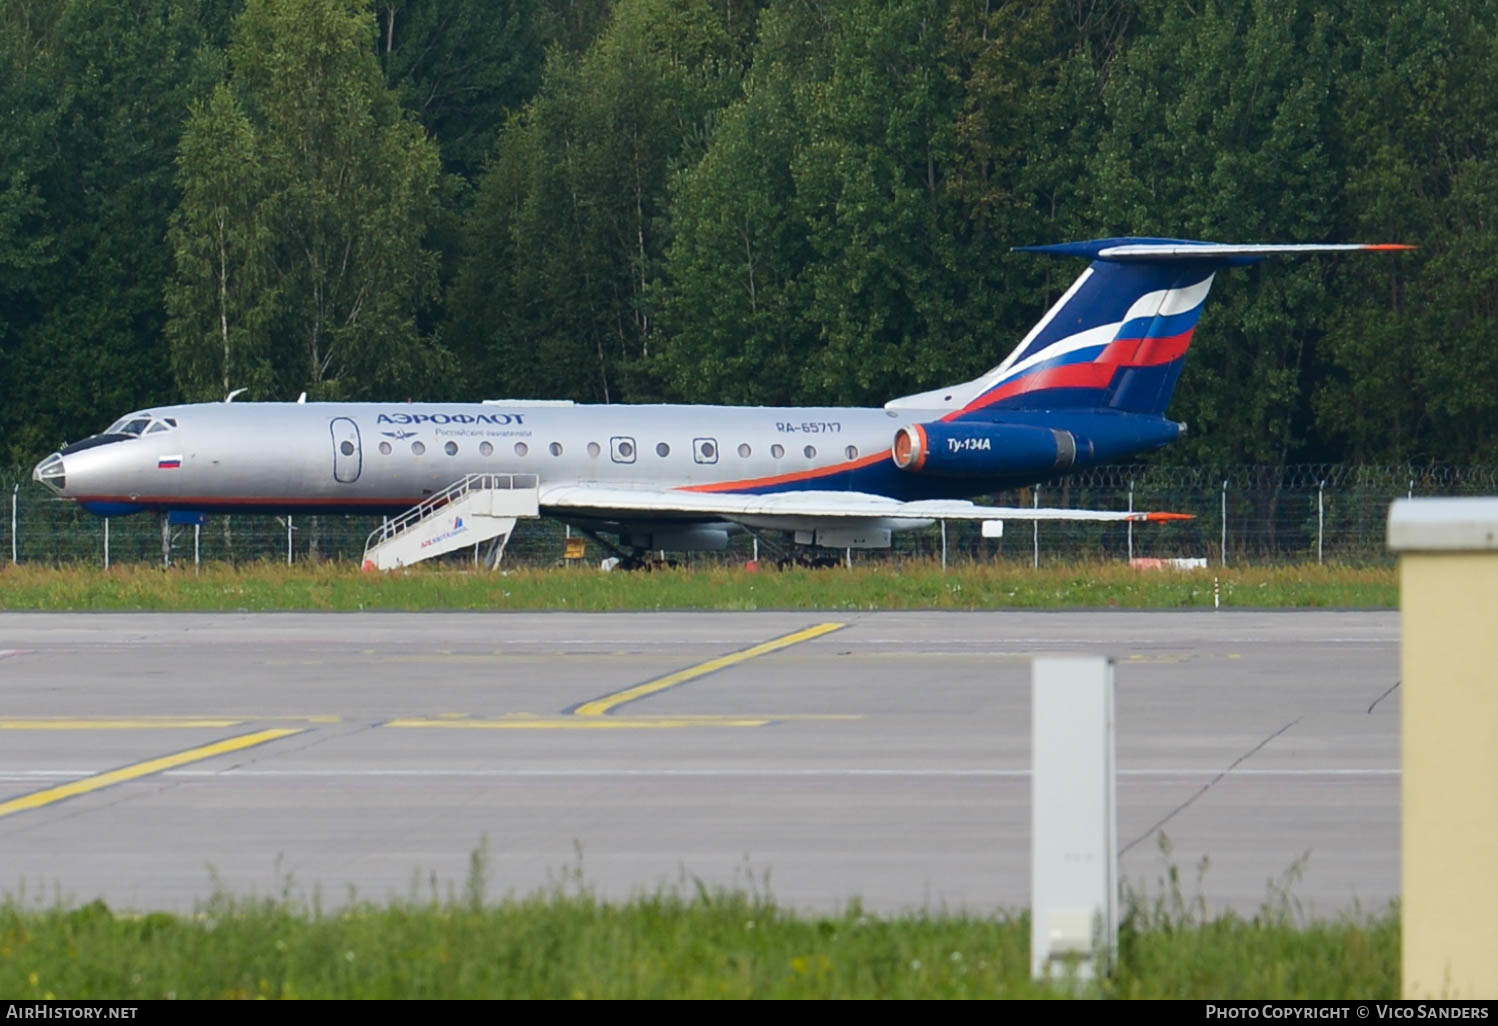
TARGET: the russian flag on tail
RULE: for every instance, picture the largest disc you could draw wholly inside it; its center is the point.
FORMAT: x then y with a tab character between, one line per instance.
1117	339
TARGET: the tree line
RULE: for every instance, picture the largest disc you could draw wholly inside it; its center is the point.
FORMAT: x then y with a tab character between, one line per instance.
740	201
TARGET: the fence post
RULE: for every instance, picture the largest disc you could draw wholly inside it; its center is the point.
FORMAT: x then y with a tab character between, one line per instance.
196	534
106	543
1320	518
1131	523
1035	525
943	544
1224	522
288	539
13	493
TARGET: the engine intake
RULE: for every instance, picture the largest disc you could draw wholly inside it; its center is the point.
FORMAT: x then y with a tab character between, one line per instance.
985	450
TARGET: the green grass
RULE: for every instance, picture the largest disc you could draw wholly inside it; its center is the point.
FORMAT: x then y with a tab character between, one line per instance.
915	584
569	944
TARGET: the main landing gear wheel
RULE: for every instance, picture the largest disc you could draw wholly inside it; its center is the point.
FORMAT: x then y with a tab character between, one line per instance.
810	560
630	559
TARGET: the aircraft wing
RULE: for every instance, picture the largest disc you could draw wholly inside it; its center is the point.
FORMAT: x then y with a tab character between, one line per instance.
626	503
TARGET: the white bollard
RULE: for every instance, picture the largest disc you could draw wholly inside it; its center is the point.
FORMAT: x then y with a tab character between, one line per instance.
1448	589
1074	827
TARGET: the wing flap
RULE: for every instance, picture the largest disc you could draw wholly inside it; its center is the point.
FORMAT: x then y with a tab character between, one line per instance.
612	499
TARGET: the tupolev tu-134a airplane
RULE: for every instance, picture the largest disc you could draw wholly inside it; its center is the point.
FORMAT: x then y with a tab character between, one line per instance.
1089	384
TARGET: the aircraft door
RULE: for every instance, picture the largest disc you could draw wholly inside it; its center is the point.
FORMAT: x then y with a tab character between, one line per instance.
348	456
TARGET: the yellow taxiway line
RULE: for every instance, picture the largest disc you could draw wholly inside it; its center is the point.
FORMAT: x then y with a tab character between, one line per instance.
608	703
141	769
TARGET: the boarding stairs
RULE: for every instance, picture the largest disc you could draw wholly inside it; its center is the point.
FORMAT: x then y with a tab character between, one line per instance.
470	511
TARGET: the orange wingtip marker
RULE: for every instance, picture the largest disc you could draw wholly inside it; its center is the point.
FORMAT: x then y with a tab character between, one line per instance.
1170	516
1389	246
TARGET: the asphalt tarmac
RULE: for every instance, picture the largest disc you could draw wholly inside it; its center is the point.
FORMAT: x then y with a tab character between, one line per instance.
150	758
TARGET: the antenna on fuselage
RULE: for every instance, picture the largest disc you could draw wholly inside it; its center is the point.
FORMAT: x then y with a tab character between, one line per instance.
230	397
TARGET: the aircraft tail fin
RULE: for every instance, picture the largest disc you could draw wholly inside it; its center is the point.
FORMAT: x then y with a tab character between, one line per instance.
1117	338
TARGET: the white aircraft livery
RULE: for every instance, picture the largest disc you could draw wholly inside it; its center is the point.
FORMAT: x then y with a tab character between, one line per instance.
1088	384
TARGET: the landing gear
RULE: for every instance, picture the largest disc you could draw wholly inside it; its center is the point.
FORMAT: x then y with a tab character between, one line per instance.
797	555
809	559
630	559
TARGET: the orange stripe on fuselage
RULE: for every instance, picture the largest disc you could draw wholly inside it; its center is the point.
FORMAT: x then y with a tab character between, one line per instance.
778	479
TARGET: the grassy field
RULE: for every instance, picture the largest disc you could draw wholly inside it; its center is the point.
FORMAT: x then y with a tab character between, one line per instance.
721	945
906	585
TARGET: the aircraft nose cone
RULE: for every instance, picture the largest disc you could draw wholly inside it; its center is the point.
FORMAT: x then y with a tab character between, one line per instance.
50	472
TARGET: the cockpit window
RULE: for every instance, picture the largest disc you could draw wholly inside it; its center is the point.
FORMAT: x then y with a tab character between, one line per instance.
135	426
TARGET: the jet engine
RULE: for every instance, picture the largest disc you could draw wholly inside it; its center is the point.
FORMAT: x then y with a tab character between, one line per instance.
974	449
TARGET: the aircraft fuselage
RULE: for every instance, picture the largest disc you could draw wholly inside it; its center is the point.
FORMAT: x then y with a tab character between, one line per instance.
386	457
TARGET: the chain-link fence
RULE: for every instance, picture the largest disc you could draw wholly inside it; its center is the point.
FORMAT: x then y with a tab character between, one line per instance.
1242	515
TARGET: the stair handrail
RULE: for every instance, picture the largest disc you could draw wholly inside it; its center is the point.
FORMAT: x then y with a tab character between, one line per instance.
426	507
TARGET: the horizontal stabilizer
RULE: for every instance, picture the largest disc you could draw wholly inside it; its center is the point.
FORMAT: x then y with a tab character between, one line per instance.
1164	250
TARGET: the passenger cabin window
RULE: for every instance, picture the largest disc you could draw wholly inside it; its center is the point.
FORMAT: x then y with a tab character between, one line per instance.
486	449
811	452
418	448
744	450
622	449
851	452
594	449
347	448
451	448
521	448
777	450
556	448
662	450
384	448
704	450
